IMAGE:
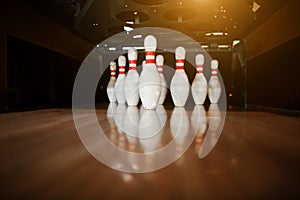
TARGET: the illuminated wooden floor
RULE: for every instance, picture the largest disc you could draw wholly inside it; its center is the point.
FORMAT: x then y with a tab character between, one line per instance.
256	156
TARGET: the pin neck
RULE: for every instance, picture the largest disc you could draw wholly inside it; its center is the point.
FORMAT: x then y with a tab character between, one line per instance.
179	64
214	72
199	69
121	70
132	64
160	68
150	55
113	73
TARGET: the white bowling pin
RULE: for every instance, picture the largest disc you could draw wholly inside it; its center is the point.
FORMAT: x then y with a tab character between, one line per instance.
199	85
160	68
214	86
111	84
132	80
180	86
119	87
150	83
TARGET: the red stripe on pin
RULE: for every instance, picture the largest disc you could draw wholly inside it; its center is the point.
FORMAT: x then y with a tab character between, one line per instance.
179	67
132	61
179	60
132	68
150	61
113	70
150	53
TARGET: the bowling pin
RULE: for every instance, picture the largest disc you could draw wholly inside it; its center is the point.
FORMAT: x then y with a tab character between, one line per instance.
119	87
199	85
160	65
214	86
132	80
180	86
111	84
150	83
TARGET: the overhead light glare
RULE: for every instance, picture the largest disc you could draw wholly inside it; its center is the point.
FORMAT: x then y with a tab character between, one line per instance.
129	22
128	29
255	6
235	42
223	46
137	36
218	33
137	48
112	48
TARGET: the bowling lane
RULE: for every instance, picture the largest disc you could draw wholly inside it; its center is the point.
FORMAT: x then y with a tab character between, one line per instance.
256	156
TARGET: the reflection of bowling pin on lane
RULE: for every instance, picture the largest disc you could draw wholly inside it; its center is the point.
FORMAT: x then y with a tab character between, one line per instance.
111	110
214	130
199	85
199	123
214	86
119	87
111	84
132	80
131	126
162	115
160	68
180	86
119	119
214	116
149	131
149	83
179	125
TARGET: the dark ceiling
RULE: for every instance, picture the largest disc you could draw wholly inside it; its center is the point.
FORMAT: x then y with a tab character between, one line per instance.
96	20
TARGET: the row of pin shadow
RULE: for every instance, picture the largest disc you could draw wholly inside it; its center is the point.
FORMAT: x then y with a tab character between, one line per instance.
141	130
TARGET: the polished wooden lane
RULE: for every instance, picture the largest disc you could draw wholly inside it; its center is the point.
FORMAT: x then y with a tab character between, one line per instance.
256	156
